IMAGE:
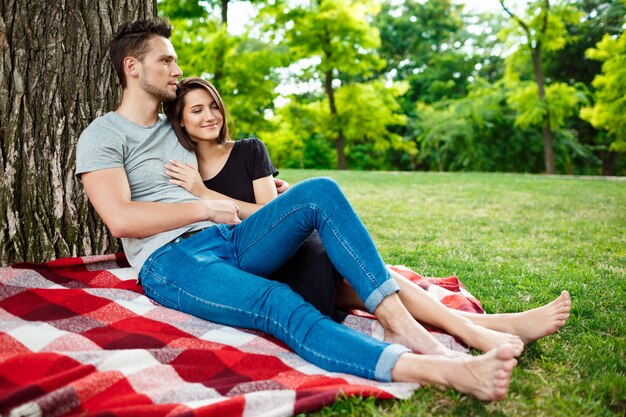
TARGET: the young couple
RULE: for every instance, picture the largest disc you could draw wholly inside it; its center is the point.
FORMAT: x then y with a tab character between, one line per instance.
197	255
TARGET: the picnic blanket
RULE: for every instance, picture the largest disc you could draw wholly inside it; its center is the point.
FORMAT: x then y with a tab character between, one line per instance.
79	338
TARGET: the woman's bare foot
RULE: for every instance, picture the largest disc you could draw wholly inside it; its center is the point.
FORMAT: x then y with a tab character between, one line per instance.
527	325
485	377
485	339
542	321
401	328
427	345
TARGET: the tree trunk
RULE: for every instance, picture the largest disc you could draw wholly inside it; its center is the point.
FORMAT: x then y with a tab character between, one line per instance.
339	140
609	158
548	149
225	12
55	78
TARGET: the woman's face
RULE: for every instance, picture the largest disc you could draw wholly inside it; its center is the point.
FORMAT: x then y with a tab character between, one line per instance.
201	117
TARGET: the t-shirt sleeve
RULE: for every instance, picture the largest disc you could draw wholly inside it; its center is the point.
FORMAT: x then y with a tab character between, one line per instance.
261	163
99	148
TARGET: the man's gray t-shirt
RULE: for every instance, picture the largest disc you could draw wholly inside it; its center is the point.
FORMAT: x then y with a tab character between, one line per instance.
112	141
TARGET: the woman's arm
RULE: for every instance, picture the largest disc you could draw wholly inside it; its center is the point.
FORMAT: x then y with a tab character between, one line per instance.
264	190
188	177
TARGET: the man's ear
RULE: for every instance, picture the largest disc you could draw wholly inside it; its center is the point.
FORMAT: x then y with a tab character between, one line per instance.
131	66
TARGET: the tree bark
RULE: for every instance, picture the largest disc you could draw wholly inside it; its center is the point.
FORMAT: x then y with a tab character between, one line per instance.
55	78
609	159
339	140
225	12
548	148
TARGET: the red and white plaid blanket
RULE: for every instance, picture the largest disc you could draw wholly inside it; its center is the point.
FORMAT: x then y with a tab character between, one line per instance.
79	338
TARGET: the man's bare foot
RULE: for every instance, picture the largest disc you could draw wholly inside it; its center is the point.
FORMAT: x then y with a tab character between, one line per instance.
542	321
485	377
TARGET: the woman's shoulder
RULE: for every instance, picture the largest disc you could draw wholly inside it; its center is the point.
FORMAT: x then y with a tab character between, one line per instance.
251	145
249	142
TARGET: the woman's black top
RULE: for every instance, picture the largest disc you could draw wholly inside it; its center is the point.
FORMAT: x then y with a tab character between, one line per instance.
309	272
248	161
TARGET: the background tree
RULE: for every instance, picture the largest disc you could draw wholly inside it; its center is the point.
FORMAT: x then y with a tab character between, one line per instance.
55	78
340	38
609	110
543	31
573	66
366	112
429	45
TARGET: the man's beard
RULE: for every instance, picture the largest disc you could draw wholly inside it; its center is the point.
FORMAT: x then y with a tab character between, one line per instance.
159	93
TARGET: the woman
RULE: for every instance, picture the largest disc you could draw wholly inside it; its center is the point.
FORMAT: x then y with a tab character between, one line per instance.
242	171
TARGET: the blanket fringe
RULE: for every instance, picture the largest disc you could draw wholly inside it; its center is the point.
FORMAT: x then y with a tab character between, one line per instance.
31	409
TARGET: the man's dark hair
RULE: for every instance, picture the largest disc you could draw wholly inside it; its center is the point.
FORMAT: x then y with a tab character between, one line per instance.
131	39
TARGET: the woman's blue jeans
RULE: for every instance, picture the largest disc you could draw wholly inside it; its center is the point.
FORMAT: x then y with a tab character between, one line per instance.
217	275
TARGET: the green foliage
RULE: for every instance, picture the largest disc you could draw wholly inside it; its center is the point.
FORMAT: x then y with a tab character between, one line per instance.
338	37
297	125
481	133
609	110
532	110
561	101
241	67
181	9
337	31
542	29
571	65
426	43
365	111
416	84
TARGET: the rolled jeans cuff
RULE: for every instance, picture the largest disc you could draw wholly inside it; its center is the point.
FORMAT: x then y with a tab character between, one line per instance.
387	361
386	288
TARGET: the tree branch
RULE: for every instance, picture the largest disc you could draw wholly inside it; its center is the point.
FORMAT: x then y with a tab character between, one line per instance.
520	22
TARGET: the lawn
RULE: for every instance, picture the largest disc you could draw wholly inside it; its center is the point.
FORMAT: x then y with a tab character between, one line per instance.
515	241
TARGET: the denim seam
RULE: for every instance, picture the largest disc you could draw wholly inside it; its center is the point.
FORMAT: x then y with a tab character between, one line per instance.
228	242
157	295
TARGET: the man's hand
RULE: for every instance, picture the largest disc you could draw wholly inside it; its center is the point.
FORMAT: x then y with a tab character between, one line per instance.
281	185
223	211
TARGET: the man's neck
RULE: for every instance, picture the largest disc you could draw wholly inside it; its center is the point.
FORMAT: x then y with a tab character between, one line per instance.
139	108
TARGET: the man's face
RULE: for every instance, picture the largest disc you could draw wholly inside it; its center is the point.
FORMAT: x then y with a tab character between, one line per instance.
159	70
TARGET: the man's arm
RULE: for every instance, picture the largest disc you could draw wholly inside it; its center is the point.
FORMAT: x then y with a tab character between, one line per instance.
109	193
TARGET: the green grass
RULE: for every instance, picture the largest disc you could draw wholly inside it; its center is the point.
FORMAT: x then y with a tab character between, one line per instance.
515	241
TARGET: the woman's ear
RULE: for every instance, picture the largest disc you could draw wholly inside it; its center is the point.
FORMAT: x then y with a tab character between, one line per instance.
180	122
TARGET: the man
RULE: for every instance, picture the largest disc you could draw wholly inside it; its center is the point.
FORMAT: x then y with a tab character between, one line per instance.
197	256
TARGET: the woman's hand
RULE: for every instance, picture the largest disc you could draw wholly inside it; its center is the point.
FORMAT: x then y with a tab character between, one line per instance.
186	176
281	185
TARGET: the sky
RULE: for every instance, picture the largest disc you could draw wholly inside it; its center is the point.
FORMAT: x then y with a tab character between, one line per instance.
490	5
239	11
